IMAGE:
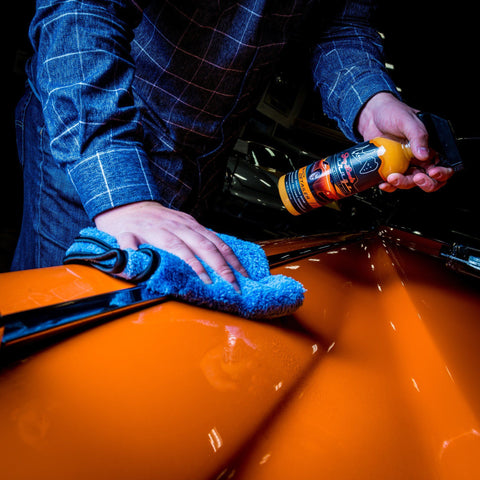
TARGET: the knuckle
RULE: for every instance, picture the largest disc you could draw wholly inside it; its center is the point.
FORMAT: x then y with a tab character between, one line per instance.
226	272
207	245
127	240
225	249
194	264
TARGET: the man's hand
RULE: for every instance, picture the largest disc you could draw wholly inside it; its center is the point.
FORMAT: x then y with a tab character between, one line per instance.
173	231
386	116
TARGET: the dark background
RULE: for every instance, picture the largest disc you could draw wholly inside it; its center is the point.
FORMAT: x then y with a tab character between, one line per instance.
433	47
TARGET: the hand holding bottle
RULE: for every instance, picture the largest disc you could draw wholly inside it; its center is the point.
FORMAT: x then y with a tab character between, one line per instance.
386	116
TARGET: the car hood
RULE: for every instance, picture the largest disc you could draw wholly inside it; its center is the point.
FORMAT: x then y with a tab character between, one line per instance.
373	377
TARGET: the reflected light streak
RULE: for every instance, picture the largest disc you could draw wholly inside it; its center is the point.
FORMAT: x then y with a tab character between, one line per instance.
240	177
215	439
265	183
448	442
415	385
265	458
449	374
234	333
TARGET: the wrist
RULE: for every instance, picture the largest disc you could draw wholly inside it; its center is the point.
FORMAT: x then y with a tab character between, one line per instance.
116	213
366	119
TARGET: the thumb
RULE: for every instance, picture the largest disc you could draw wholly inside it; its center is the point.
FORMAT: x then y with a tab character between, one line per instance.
417	136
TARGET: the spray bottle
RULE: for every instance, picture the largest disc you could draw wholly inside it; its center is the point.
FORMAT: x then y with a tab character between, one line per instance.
361	167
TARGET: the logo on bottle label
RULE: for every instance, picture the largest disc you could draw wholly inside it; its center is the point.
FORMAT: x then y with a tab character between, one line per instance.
355	169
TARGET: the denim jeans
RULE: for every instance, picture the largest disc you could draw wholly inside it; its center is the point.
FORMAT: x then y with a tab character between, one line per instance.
52	211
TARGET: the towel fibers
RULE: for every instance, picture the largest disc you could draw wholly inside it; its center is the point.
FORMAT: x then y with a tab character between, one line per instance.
161	273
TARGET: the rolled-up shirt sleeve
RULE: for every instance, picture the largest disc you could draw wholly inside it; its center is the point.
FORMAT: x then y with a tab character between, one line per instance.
348	65
82	72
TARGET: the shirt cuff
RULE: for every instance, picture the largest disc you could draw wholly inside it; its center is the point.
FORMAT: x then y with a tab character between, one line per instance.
113	178
356	95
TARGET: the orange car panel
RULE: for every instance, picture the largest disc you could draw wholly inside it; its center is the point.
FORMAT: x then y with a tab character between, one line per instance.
47	286
170	392
373	377
396	396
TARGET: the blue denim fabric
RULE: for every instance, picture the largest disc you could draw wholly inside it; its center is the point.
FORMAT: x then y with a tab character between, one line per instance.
139	104
52	213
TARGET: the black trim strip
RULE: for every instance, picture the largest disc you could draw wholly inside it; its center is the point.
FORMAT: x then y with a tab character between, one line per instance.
25	327
280	259
28	325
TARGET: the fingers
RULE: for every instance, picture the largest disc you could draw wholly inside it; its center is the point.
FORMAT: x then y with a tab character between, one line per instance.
413	130
177	246
128	240
429	180
387	187
385	115
440	174
173	231
190	245
226	252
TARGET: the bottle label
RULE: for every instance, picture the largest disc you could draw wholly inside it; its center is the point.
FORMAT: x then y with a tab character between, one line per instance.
335	177
356	169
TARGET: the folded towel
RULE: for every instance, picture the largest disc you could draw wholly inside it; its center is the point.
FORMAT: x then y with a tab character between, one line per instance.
161	273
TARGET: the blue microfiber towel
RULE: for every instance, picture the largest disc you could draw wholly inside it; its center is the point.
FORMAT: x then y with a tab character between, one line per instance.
161	273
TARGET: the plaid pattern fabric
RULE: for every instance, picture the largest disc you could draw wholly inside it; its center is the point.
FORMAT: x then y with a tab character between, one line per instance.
141	100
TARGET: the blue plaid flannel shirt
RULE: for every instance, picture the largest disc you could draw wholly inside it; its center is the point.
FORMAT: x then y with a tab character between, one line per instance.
140	100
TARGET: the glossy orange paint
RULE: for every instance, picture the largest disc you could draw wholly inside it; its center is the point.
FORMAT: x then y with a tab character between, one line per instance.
47	286
170	392
373	377
397	394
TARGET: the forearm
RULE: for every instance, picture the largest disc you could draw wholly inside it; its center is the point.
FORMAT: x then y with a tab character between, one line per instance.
348	65
82	72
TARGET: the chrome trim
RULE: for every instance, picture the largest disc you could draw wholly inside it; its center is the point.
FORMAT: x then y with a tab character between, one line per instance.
461	258
29	325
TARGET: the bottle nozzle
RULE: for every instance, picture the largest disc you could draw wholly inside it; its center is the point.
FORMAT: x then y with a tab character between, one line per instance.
441	138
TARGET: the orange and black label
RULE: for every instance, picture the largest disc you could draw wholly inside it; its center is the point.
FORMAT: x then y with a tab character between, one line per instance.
332	178
356	169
